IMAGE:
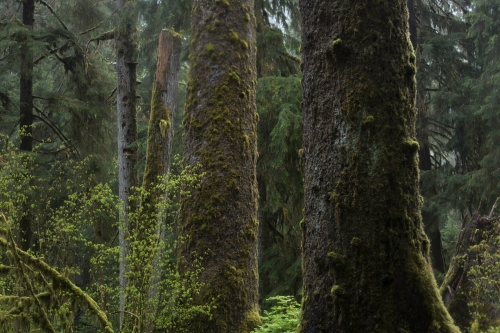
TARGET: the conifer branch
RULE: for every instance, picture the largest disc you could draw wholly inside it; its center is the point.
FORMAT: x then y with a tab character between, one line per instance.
54	13
52	126
97	25
108	35
50	52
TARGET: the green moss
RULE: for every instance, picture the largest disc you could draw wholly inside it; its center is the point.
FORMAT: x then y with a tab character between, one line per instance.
233	35
252	320
356	242
410	145
336	44
222	2
336	258
234	76
336	291
247	17
368	120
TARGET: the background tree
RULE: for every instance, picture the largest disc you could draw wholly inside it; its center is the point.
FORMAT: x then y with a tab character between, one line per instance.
126	94
218	224
366	264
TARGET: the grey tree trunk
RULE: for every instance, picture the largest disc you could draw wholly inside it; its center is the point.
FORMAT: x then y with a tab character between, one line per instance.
26	113
127	125
365	255
218	226
148	231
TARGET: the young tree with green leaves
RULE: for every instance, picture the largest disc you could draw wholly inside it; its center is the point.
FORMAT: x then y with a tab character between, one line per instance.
218	224
365	255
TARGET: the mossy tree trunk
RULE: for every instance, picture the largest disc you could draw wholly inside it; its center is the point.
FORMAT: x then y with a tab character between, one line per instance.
365	255
147	230
127	124
218	221
26	112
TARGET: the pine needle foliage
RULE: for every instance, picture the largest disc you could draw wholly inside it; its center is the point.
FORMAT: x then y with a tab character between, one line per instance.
280	177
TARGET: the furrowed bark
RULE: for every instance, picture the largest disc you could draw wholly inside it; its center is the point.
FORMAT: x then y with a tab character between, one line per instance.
26	113
365	255
127	125
218	226
149	230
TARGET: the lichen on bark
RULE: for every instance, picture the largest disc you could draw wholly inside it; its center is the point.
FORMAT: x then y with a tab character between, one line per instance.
218	221
365	255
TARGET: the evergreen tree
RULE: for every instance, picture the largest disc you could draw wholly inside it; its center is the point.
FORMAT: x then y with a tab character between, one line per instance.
218	225
366	264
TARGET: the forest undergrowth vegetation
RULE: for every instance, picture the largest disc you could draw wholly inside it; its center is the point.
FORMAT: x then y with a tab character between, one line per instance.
68	278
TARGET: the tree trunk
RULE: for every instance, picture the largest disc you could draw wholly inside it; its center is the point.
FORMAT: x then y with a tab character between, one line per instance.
470	283
127	124
218	222
26	113
144	270
365	255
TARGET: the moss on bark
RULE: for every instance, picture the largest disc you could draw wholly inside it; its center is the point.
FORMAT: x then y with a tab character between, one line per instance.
218	222
366	259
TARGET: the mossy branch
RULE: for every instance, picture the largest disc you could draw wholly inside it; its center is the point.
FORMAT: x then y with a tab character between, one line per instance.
24	258
97	25
108	35
53	13
44	319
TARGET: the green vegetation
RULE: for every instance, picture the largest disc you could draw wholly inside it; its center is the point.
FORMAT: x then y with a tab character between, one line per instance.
282	317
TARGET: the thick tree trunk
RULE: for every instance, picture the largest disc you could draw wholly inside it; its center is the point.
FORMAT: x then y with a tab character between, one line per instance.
218	221
365	255
144	269
26	113
127	125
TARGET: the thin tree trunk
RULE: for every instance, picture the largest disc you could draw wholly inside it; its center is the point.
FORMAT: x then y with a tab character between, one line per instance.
430	219
127	125
218	226
148	231
365	255
26	113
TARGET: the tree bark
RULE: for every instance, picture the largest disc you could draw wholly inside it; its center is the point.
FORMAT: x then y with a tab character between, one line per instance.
148	230
365	255
127	125
218	221
26	112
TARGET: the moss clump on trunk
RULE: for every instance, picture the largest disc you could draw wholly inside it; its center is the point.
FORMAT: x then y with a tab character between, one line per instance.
218	223
366	259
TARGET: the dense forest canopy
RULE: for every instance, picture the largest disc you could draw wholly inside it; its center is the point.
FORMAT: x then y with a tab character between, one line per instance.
208	166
